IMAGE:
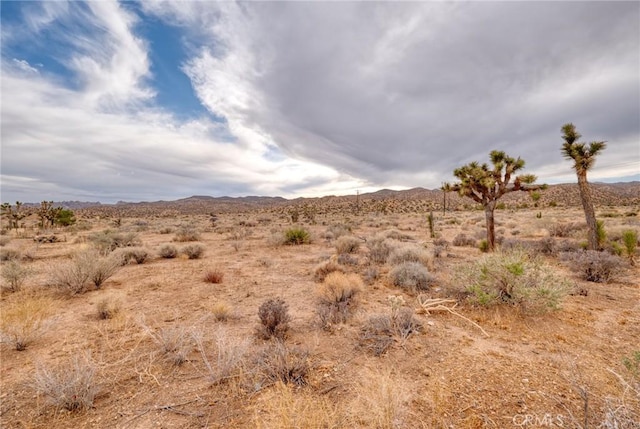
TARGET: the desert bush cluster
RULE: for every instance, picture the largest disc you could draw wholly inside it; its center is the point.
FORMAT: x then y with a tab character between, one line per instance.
255	320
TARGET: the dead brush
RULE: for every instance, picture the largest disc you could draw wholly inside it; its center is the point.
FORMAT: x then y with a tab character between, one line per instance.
337	297
174	343
14	275
376	336
277	362
325	268
214	275
274	319
71	386
108	308
227	360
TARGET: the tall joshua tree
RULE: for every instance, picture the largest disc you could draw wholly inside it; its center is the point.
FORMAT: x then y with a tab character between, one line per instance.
486	185
583	157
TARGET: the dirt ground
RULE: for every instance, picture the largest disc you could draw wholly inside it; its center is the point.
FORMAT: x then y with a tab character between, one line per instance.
565	368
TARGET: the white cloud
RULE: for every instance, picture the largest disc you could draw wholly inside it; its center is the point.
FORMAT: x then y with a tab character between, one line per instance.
24	66
319	97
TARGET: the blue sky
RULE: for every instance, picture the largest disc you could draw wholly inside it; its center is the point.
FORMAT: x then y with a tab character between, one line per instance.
158	100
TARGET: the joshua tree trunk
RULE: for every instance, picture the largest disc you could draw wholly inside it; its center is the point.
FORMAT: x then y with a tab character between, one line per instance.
488	214
589	212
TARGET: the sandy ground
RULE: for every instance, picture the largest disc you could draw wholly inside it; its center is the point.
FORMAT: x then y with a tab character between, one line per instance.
561	369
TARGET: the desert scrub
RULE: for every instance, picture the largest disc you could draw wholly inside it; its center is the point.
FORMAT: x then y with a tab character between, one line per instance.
14	275
193	251
214	275
187	233
297	235
274	319
7	254
462	240
221	311
107	241
379	249
84	268
137	254
226	359
409	253
168	251
325	268
337	298
71	386
347	244
592	265
103	269
513	277
411	276
277	362
174	343
108	307
376	336
25	320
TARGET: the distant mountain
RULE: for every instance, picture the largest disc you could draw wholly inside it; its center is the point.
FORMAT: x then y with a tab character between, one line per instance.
384	200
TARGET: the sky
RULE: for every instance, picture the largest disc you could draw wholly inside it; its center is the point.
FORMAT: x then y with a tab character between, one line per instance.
160	100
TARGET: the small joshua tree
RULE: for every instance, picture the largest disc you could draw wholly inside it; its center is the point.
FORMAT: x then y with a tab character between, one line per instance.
487	185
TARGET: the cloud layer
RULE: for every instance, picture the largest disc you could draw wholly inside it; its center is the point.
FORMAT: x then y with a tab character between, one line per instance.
312	98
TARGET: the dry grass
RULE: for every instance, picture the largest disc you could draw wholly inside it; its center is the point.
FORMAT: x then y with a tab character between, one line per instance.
285	406
174	343
108	307
221	311
25	320
227	359
14	275
381	400
337	298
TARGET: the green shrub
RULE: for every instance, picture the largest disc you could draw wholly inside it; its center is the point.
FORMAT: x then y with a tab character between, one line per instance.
630	241
483	246
601	233
65	217
297	235
513	277
412	276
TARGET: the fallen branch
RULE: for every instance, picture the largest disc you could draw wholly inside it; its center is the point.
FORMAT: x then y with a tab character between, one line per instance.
171	407
441	304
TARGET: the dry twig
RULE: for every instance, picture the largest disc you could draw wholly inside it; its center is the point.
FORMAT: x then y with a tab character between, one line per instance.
441	304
